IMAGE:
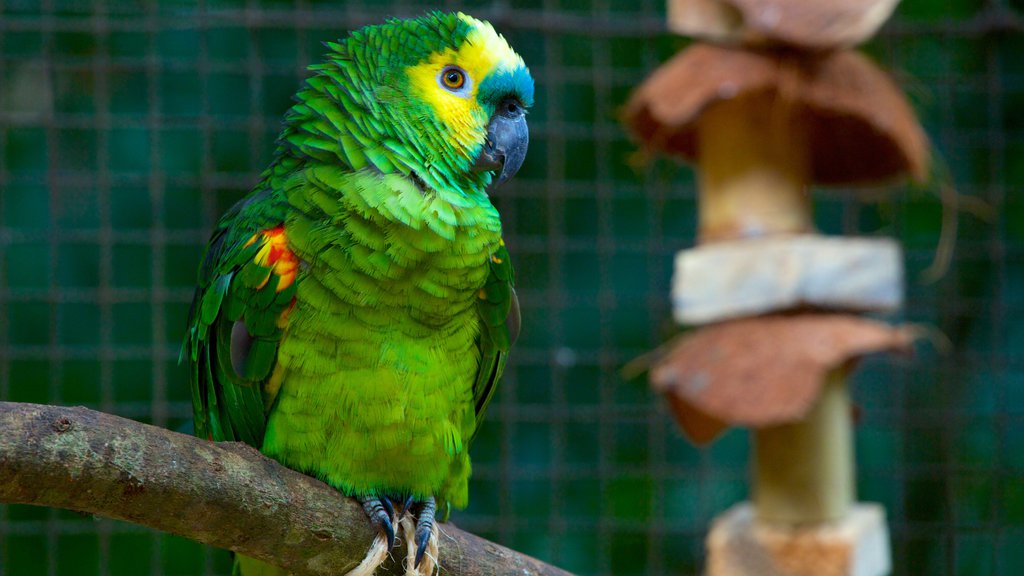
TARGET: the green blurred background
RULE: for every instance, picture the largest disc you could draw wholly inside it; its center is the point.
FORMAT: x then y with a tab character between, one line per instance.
127	127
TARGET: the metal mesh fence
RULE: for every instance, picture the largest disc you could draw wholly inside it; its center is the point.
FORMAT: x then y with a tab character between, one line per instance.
127	127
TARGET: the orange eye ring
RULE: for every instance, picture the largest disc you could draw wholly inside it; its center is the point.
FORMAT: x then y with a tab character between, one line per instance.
453	78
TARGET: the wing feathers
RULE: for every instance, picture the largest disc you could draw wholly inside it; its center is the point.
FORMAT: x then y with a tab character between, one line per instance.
235	327
498	309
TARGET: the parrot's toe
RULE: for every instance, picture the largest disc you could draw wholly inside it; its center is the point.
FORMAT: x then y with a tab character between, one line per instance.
424	527
418	526
381	513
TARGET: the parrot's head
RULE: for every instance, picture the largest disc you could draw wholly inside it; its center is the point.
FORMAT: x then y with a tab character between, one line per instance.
447	94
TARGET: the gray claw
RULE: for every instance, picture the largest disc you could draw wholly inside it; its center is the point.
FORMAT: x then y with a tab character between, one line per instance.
380	511
424	527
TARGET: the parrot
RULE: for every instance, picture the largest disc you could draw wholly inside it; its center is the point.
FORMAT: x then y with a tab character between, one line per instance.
355	311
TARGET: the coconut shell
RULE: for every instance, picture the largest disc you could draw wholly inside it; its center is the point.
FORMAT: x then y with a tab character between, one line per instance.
763	371
815	25
860	127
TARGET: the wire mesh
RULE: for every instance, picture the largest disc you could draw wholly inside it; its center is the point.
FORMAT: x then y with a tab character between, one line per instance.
127	127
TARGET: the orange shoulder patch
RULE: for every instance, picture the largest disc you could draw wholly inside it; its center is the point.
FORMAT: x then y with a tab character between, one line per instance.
275	254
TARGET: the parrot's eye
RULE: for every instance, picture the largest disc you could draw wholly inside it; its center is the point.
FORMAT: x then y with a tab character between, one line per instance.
453	78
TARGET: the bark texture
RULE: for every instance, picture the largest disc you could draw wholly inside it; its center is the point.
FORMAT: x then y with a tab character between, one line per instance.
223	494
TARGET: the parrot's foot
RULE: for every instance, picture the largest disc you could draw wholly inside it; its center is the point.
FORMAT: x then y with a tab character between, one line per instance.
417	526
421	549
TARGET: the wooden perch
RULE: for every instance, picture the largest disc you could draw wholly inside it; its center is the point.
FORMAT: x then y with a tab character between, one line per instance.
223	494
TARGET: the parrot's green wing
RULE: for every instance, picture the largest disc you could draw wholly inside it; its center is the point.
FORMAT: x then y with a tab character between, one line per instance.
246	289
498	307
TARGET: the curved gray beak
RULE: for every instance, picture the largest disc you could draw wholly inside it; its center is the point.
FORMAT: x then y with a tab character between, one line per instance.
507	140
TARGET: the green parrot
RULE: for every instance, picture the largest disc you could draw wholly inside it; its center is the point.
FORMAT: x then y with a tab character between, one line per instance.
355	311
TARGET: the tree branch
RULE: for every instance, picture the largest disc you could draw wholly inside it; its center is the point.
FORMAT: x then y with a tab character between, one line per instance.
223	494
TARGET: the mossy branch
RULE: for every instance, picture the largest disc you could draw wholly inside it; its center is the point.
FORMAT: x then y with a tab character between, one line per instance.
223	494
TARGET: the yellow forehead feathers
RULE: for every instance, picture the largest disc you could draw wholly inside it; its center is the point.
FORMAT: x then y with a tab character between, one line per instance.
486	49
483	51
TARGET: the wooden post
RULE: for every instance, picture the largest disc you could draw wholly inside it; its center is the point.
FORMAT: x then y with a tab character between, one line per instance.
754	170
804	472
754	173
776	103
